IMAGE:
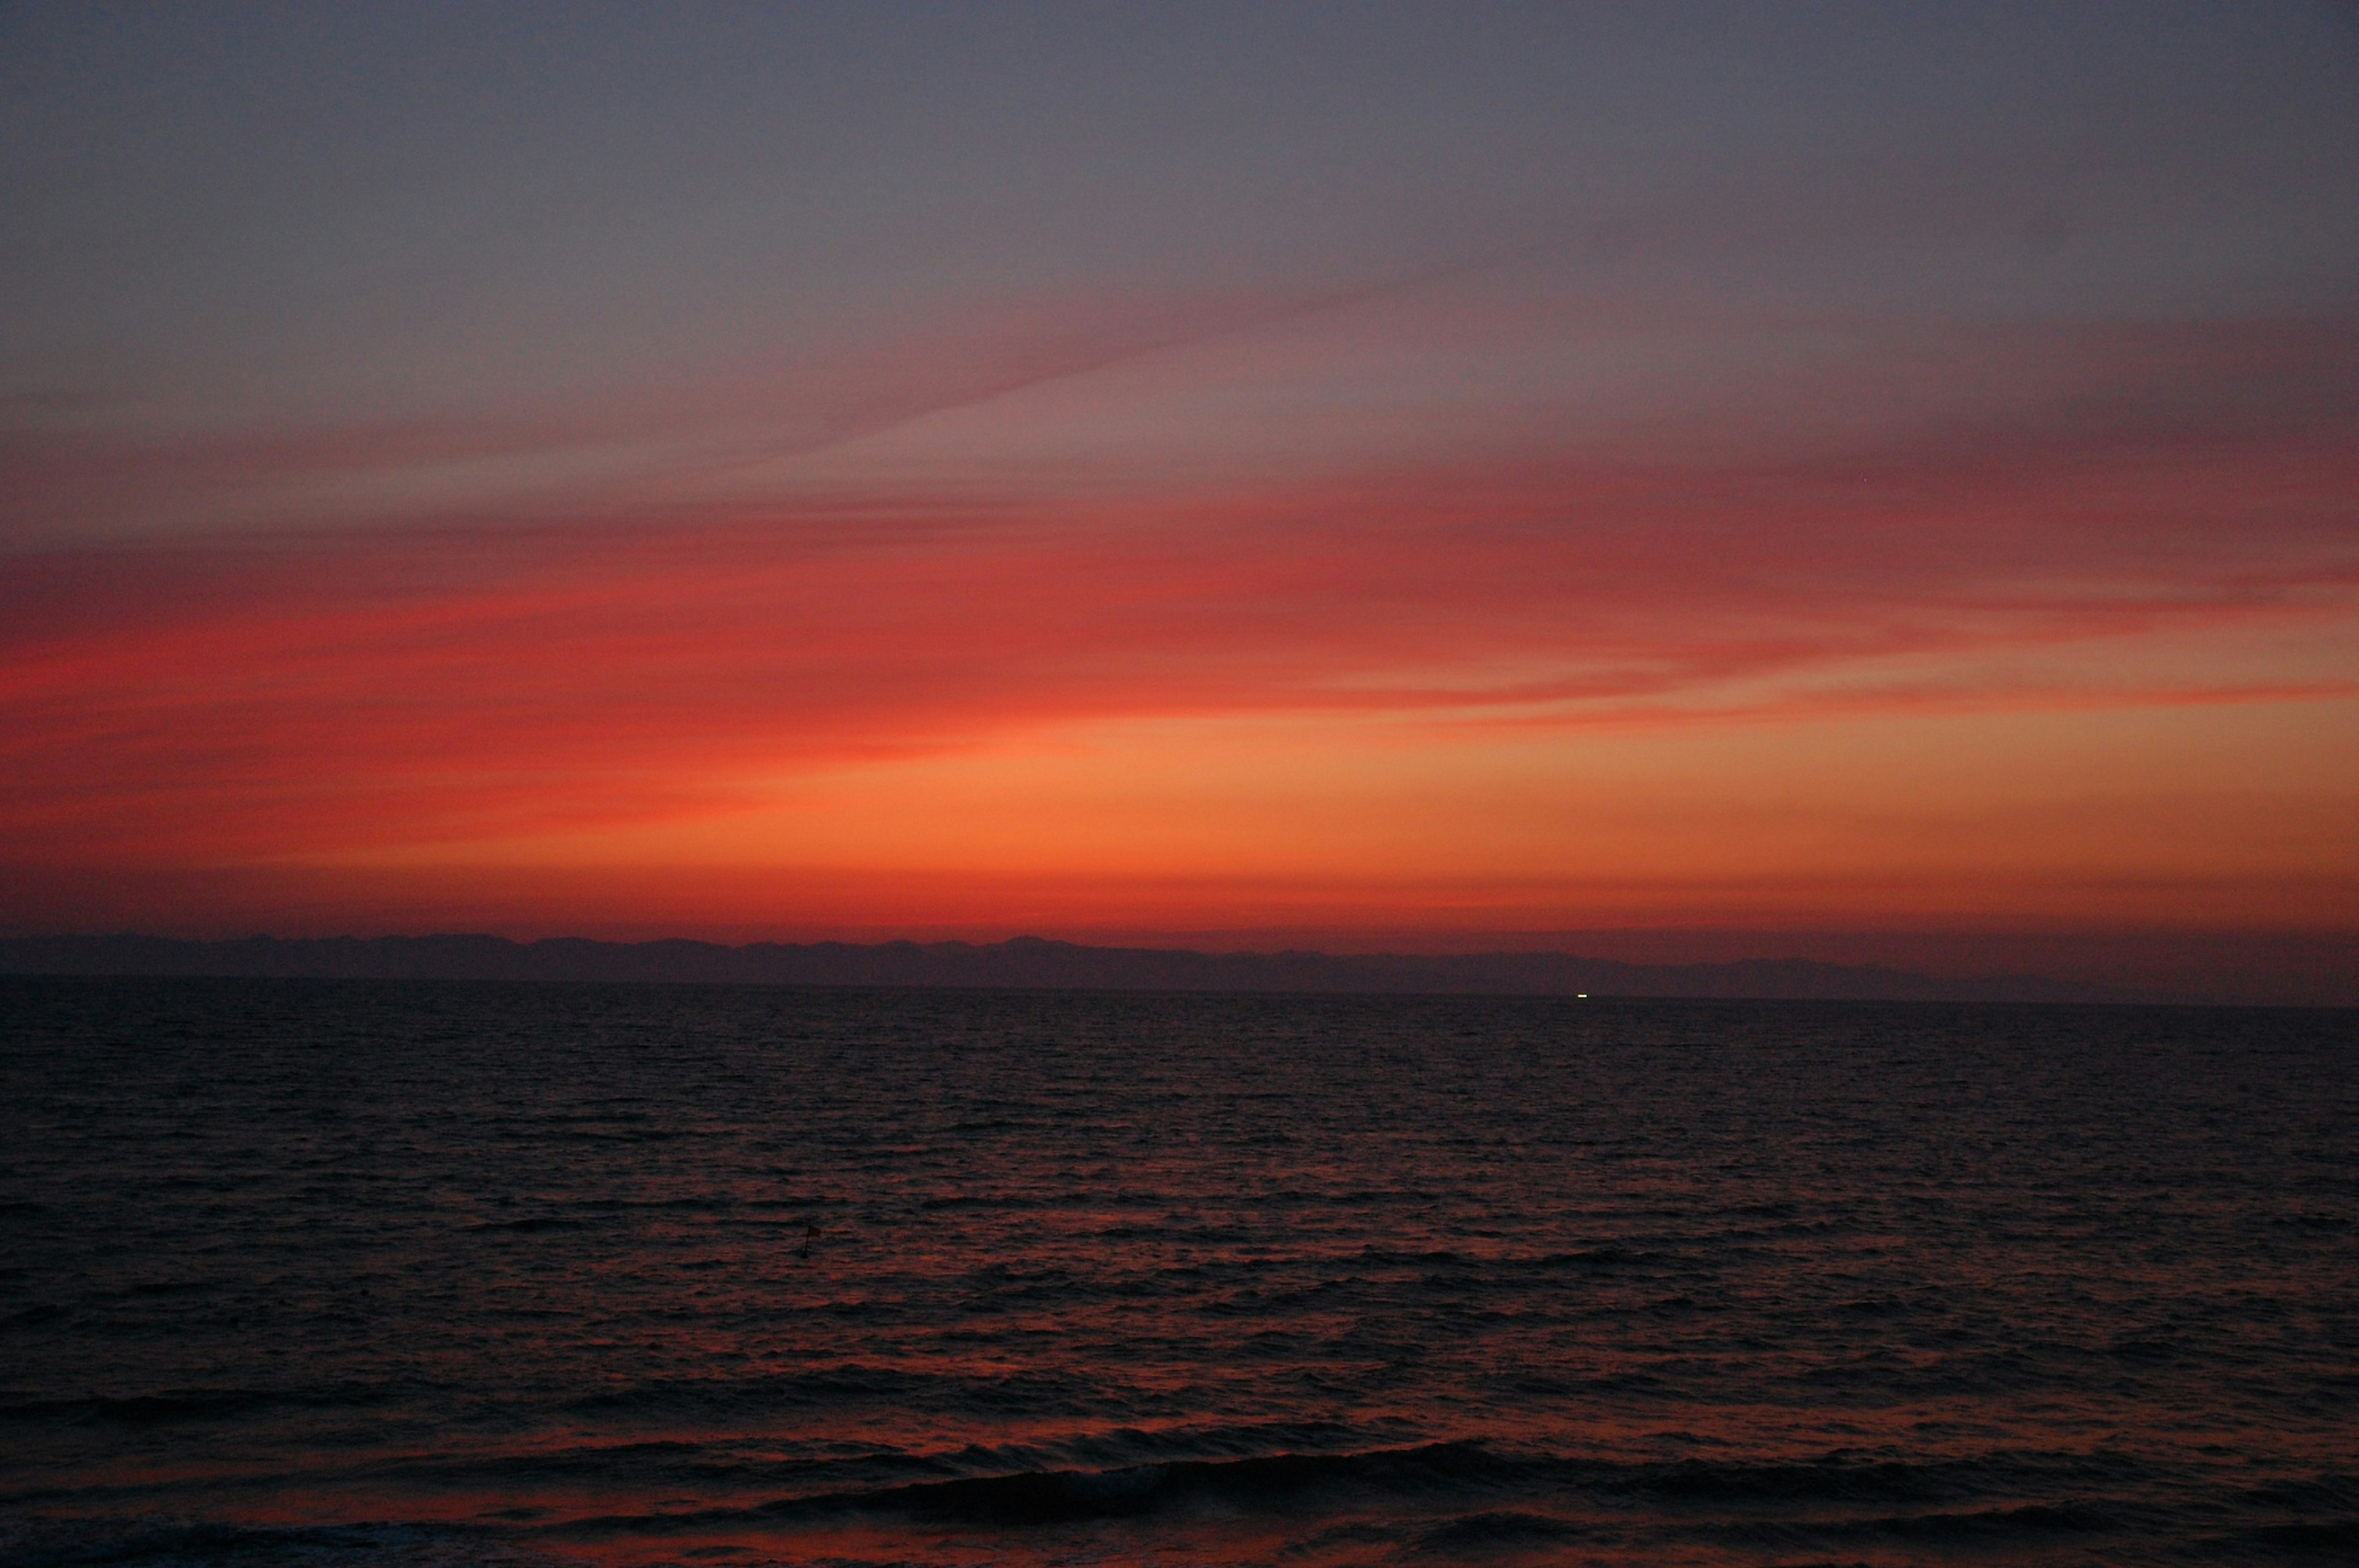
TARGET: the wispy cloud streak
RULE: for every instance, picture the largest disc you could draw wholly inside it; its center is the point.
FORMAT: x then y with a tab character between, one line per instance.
296	694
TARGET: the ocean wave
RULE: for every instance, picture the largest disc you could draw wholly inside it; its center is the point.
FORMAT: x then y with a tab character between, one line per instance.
1459	1475
2337	1538
180	1543
1445	1501
1263	1484
1506	1529
1843	1478
185	1405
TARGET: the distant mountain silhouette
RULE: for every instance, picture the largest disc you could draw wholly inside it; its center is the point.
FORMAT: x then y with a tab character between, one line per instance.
1025	962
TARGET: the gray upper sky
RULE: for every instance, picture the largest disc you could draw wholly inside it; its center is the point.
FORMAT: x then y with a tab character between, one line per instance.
232	214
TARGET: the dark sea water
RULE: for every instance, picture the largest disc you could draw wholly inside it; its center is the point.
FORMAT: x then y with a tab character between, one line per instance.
311	1273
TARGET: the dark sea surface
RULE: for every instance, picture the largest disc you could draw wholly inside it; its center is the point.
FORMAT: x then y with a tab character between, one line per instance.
321	1272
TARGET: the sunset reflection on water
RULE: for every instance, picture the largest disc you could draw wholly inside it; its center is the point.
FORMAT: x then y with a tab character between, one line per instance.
1103	1278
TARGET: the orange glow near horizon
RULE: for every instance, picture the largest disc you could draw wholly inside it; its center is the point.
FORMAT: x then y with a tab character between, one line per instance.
1424	719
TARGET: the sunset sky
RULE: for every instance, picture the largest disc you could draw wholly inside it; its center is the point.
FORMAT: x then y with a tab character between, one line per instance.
1679	480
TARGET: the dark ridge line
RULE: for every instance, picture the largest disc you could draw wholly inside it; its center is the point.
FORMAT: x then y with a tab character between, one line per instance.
1028	963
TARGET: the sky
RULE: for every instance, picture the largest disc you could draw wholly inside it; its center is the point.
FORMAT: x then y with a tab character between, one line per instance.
1864	481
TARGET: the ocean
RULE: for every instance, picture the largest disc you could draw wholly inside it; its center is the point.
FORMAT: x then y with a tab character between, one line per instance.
379	1273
